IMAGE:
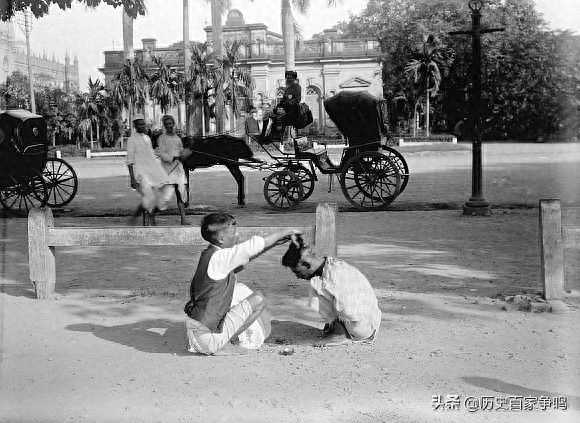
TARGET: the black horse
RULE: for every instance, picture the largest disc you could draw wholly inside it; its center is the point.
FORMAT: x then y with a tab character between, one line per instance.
219	149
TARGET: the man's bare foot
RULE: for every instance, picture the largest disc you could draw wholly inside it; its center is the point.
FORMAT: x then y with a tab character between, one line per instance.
333	341
335	334
230	349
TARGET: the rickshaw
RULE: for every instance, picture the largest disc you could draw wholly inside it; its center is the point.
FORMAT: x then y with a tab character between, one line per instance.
28	177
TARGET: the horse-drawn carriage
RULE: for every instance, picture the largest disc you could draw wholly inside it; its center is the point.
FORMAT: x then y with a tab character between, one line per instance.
370	173
28	178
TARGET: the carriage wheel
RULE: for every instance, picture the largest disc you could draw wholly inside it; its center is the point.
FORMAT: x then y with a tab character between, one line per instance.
283	190
23	193
61	182
401	163
306	177
370	181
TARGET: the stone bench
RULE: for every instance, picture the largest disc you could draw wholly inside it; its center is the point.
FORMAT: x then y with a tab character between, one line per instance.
44	238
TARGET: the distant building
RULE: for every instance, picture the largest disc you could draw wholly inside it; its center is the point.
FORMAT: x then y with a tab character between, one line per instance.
324	67
46	72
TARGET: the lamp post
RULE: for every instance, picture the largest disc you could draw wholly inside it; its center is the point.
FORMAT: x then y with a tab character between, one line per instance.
476	205
24	21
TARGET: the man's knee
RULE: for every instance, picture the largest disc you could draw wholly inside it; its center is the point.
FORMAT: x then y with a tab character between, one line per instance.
257	301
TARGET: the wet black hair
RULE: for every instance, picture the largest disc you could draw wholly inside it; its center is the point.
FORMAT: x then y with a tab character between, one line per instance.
295	251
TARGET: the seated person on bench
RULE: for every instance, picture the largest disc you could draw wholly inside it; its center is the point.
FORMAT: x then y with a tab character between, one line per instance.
287	110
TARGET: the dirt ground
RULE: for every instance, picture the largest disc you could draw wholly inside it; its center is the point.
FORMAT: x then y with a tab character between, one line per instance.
112	348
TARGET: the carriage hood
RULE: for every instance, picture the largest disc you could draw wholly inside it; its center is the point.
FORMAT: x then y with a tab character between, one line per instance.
358	115
27	136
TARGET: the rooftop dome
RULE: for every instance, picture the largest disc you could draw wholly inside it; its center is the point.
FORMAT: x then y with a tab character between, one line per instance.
235	18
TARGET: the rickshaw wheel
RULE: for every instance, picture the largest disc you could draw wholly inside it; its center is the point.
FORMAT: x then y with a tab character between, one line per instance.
24	192
61	182
306	177
401	163
283	190
370	181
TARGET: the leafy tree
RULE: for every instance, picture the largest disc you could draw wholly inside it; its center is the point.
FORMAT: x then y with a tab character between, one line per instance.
40	8
529	78
15	91
237	81
289	27
91	111
56	106
429	61
130	86
165	85
199	81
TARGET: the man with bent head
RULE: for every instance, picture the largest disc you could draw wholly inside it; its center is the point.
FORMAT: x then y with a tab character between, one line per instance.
212	324
339	292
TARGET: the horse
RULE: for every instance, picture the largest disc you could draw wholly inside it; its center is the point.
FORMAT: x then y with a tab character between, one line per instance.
219	149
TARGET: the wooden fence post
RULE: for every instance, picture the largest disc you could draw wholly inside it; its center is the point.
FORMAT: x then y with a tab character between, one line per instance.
551	249
41	261
326	230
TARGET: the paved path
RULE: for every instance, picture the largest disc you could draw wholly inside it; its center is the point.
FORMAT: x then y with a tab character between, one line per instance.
515	175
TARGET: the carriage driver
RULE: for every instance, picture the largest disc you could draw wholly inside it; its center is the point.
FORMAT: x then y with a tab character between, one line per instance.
286	112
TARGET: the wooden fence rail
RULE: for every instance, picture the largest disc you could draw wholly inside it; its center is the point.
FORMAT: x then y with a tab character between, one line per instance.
553	239
44	237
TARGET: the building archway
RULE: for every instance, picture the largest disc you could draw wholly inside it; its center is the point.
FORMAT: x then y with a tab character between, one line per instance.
313	99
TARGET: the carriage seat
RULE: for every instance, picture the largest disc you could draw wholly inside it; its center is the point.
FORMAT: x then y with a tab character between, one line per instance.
304	147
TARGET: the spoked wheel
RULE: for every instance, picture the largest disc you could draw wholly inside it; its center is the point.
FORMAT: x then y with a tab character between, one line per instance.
370	181
283	190
401	163
61	182
306	177
23	193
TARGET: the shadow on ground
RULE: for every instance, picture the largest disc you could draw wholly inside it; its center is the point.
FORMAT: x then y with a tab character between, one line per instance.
497	385
150	336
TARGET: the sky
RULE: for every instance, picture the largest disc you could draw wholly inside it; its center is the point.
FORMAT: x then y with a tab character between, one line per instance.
88	32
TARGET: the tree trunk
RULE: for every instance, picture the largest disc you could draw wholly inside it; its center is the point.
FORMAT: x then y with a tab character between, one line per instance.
415	120
186	63
129	54
196	117
99	144
427	114
217	39
288	35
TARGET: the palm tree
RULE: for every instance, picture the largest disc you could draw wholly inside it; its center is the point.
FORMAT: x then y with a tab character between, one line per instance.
430	60
218	8
236	80
199	80
130	86
165	85
289	27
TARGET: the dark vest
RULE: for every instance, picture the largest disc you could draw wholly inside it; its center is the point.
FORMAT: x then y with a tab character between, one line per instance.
210	299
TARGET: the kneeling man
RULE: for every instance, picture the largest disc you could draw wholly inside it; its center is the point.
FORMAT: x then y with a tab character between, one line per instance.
339	292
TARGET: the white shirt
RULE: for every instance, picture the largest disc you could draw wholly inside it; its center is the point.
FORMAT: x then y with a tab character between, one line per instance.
146	165
225	260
